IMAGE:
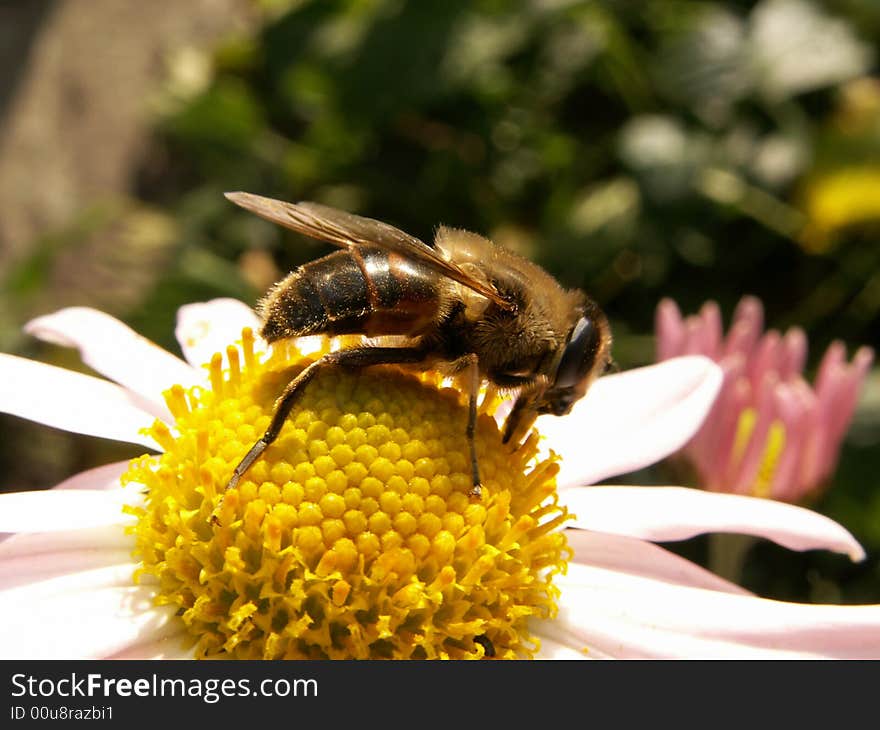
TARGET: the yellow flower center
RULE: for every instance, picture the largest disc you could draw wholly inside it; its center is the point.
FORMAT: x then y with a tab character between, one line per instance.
353	535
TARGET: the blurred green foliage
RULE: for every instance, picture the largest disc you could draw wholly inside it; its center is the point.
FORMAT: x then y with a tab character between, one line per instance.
699	150
636	149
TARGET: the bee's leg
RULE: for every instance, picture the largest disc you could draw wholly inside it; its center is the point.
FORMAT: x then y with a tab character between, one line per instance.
358	357
519	421
472	362
522	415
285	403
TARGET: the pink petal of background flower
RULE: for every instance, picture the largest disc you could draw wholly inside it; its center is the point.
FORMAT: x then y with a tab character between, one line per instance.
769	433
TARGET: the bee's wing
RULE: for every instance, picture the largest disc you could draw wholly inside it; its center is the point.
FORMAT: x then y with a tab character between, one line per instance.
347	230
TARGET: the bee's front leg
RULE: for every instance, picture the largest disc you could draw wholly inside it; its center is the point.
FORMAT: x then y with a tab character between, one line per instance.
522	415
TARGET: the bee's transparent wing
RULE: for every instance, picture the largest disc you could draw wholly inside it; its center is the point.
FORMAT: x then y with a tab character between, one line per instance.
346	230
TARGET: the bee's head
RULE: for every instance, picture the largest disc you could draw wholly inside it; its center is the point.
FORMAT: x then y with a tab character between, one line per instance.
585	356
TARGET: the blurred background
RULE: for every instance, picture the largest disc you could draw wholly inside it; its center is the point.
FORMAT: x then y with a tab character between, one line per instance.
696	150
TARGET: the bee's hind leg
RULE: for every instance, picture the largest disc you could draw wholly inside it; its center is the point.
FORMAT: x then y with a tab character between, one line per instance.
471	364
357	357
285	403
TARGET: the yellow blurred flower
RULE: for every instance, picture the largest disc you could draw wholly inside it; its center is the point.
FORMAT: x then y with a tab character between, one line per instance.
838	200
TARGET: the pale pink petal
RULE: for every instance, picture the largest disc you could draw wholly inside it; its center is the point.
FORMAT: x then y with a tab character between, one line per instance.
710	448
743	472
862	361
670	330
632	419
713	330
832	362
638	557
795	419
72	401
726	460
794	353
849	392
101	477
815	443
695	337
28	569
766	359
746	327
115	350
837	408
677	513
634	617
89	623
209	327
48	510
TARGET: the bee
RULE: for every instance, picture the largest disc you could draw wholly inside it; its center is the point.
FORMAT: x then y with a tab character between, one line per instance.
464	305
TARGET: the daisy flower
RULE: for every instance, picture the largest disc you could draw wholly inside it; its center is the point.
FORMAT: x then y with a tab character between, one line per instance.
354	535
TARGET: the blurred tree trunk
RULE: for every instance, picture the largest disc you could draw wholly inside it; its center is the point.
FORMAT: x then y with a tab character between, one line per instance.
75	83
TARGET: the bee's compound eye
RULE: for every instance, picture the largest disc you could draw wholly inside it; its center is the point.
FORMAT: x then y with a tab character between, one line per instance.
579	355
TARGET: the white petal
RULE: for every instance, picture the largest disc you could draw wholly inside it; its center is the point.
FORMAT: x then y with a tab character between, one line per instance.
106	576
110	537
30	569
627	616
551	647
209	327
50	509
636	557
678	513
115	350
72	401
101	477
83	624
632	419
170	644
563	639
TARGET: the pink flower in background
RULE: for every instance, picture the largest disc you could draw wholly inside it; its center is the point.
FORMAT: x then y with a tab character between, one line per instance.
769	433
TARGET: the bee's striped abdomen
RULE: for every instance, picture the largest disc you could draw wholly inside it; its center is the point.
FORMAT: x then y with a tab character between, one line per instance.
363	290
